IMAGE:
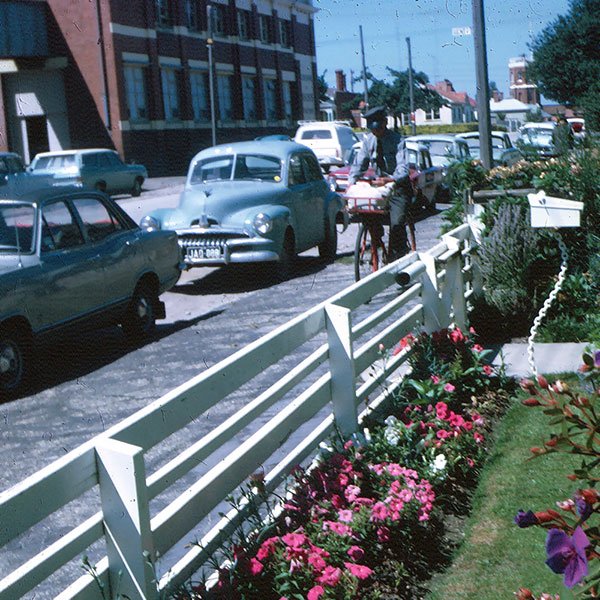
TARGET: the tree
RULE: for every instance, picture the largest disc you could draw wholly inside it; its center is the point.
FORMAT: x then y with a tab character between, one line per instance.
322	87
566	59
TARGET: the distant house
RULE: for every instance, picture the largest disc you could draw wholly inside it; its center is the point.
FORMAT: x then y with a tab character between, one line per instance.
341	103
511	113
458	107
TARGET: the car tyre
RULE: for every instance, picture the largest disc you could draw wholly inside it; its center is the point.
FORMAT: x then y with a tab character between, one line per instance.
287	259
328	248
140	318
136	190
15	359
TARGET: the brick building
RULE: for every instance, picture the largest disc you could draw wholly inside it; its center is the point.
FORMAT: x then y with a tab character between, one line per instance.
520	88
134	75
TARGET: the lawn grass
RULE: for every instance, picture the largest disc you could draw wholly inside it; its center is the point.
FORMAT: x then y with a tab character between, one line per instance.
496	557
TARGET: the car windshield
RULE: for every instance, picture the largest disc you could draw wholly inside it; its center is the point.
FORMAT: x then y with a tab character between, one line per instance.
439	148
16	228
54	163
250	167
537	135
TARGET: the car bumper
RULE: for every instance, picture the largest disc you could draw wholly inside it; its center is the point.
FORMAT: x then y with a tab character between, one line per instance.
204	249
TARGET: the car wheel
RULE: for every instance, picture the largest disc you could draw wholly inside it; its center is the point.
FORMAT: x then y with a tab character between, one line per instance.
328	248
140	318
15	356
287	258
136	190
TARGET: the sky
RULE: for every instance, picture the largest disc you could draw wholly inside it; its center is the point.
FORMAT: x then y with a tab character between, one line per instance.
510	25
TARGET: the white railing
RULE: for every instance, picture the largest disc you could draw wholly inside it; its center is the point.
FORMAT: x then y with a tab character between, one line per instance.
338	378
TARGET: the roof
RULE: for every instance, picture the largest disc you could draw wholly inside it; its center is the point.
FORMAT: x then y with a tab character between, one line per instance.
71	152
279	149
430	137
512	105
455	97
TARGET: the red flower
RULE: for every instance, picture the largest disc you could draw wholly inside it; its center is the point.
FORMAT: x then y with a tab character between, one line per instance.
267	548
441	410
487	369
256	566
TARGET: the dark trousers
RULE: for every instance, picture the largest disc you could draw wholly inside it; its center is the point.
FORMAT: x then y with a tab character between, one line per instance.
399	204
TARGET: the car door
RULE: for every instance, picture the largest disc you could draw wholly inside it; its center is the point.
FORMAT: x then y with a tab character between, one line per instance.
71	269
317	191
300	205
429	175
116	244
120	176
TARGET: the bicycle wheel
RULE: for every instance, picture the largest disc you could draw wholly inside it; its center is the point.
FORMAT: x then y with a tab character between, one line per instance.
369	250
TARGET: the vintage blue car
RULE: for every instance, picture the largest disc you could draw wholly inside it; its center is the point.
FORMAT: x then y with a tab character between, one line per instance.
71	258
252	202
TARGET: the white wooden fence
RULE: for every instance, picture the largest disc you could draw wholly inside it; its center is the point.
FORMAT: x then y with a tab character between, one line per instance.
113	463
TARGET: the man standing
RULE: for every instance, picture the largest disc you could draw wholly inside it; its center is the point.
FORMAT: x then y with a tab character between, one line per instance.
385	151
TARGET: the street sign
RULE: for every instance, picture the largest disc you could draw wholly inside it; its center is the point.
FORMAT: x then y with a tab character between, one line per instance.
461	31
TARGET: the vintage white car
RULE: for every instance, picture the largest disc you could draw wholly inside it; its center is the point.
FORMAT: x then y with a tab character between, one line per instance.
253	202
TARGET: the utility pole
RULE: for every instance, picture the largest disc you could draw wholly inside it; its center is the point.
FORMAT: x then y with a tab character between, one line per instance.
483	87
352	80
411	91
364	68
211	79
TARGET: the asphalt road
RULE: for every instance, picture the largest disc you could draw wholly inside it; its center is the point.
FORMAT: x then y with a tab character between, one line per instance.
88	383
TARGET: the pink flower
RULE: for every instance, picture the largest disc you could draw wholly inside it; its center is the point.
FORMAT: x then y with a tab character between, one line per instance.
379	512
315	593
338	528
435	379
395	470
360	571
345	516
317	562
256	566
356	553
456	335
294	540
330	576
442	434
352	492
348	445
477	348
383	534
441	408
478	437
449	388
487	369
267	548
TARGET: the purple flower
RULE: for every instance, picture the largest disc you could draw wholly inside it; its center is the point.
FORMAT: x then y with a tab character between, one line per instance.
567	554
597	358
584	509
525	519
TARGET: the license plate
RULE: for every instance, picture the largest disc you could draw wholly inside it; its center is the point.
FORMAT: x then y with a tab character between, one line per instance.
204	252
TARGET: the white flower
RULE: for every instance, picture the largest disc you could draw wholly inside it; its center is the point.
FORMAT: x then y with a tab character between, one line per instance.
391	437
367	435
439	463
391	421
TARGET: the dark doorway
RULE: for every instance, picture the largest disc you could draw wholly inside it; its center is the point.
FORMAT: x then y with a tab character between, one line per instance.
37	135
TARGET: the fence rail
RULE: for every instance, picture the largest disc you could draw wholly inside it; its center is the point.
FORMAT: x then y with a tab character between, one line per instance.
338	375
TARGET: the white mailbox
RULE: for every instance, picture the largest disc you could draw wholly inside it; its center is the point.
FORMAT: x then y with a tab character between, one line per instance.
547	211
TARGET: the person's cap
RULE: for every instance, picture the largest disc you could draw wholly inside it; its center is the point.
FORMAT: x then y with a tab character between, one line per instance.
375	117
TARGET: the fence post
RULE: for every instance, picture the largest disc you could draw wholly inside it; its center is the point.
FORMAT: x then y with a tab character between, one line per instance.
341	363
454	287
430	295
126	515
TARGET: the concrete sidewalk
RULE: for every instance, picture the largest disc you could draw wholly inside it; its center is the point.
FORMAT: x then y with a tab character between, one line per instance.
549	358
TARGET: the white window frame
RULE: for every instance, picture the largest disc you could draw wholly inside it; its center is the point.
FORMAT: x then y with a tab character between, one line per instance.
288	106
192	15
163	12
243	23
270	98
218	20
224	95
135	92
170	91
285	33
264	34
199	92
249	98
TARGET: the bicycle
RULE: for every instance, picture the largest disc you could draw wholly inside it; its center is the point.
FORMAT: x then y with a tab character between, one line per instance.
371	249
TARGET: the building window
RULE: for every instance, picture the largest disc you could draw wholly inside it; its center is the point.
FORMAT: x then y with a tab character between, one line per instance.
218	19
170	90
288	108
264	29
243	22
199	89
284	33
163	12
192	14
135	85
249	98
270	100
224	97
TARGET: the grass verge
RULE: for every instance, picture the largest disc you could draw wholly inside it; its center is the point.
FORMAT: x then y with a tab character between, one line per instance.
496	557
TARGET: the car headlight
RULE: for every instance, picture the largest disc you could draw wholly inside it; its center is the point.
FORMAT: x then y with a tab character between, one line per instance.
262	223
149	223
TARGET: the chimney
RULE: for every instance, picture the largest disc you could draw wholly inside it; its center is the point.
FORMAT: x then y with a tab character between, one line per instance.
340	81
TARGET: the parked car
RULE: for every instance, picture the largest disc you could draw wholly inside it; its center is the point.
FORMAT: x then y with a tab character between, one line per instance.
251	202
71	258
97	168
331	141
277	137
428	179
504	154
535	140
14	177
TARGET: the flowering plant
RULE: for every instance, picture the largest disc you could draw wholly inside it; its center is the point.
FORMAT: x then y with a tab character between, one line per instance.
573	538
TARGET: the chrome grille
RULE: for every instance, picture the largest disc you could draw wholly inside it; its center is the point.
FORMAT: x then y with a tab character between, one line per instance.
207	241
